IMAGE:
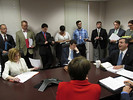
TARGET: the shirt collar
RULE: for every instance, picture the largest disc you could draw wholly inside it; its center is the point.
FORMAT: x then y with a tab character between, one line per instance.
80	29
124	52
24	30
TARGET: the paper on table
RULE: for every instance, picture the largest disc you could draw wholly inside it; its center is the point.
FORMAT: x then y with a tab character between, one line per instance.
117	82
30	42
109	67
114	37
126	73
35	62
25	76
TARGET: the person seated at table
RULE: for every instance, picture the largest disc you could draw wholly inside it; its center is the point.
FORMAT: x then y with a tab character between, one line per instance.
78	88
126	93
122	58
69	52
15	66
61	38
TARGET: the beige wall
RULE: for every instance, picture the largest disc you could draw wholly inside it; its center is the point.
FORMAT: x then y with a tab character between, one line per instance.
10	15
43	11
118	10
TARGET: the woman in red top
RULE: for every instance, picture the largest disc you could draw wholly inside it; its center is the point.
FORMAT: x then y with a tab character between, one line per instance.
78	88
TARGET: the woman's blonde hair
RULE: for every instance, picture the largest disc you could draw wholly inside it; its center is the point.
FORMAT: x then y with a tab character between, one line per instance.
12	53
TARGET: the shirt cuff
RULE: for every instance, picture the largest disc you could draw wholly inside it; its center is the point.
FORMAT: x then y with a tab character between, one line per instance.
124	92
77	52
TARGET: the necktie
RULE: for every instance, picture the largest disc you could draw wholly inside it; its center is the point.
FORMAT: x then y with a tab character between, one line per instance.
4	37
115	31
119	62
45	37
71	54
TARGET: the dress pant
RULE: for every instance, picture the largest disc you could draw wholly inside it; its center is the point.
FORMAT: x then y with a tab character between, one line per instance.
4	59
82	49
98	53
26	58
47	59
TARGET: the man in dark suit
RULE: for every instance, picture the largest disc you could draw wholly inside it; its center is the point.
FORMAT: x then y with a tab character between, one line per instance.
127	93
113	45
43	41
99	40
69	52
6	43
122	58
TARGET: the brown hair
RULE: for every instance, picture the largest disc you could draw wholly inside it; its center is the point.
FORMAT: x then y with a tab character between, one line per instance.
78	68
12	53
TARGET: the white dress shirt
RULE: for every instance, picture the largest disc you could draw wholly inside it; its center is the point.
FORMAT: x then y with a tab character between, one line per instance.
124	52
3	36
25	33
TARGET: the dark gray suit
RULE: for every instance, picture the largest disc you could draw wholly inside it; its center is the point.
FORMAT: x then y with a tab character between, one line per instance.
114	46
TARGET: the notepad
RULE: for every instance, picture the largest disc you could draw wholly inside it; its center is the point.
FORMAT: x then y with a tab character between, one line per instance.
113	83
114	37
26	76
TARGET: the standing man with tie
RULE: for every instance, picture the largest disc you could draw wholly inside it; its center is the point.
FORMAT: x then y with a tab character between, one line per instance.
6	43
99	40
113	44
122	58
43	41
25	42
81	36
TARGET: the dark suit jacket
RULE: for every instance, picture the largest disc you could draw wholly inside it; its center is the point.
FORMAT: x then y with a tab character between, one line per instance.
127	60
40	40
10	40
114	46
65	54
127	96
103	34
78	90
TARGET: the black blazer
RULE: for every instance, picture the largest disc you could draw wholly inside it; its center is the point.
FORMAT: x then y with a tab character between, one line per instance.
65	54
127	60
40	40
102	42
10	40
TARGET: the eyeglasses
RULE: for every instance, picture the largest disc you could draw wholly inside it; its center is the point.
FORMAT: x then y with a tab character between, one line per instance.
130	25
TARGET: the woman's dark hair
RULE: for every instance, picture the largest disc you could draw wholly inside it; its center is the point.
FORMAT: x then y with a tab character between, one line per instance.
62	28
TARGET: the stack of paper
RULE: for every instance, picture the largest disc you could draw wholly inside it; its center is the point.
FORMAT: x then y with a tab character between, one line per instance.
126	73
25	76
35	62
113	83
114	37
109	67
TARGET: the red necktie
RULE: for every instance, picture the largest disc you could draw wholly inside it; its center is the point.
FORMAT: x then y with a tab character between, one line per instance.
45	37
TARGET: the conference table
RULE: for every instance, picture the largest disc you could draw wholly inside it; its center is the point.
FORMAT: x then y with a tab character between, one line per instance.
27	90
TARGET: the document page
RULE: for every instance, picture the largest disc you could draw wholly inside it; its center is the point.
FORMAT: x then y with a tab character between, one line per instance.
114	37
30	42
113	83
35	62
126	73
26	76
